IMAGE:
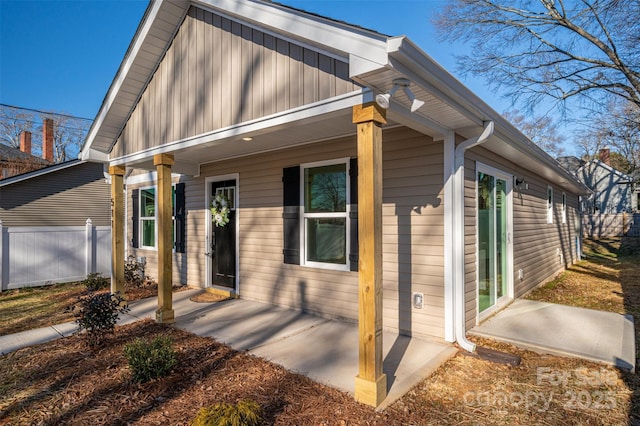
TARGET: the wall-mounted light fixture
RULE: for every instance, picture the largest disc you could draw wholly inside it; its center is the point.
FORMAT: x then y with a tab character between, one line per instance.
383	99
521	184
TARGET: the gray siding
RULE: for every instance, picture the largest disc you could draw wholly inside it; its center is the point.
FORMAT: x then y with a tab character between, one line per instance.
66	197
218	72
413	233
613	192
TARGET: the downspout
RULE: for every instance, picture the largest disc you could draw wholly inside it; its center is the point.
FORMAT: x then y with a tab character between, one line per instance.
458	237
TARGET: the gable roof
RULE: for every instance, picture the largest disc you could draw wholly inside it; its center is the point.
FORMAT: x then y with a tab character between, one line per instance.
40	172
374	60
608	168
8	153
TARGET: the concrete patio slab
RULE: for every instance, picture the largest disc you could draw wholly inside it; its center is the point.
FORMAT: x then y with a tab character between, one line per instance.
325	350
146	308
562	330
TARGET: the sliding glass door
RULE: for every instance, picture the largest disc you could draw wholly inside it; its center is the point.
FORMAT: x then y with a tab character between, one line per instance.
494	232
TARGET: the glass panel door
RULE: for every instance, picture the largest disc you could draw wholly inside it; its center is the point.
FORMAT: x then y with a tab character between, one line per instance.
492	240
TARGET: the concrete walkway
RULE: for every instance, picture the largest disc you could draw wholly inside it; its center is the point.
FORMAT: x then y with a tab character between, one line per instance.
325	350
566	331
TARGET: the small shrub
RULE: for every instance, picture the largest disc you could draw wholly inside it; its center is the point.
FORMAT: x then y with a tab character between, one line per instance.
150	360
244	413
95	282
98	315
134	271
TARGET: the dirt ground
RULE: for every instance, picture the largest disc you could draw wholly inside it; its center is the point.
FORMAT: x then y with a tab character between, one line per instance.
62	382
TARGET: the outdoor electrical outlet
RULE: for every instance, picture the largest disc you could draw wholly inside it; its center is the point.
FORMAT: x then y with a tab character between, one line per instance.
521	274
418	300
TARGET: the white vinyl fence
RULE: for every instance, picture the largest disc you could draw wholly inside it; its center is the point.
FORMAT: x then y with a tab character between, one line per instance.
40	255
611	225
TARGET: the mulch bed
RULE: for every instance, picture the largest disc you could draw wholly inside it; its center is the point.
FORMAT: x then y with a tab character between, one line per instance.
62	382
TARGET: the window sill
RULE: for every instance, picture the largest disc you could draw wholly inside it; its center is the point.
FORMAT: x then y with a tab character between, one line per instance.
328	266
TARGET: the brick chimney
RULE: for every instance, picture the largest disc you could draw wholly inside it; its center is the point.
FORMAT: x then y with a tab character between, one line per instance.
25	142
604	156
47	139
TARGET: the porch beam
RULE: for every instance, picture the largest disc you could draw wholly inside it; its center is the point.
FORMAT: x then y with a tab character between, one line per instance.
117	228
163	163
371	382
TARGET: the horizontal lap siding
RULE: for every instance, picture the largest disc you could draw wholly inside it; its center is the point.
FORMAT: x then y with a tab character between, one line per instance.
67	197
535	242
413	233
179	275
217	73
263	275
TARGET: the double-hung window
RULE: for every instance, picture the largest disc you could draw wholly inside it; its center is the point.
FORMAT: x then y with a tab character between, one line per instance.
147	217
325	214
145	224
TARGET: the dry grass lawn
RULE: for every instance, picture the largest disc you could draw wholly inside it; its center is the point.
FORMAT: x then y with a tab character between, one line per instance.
62	382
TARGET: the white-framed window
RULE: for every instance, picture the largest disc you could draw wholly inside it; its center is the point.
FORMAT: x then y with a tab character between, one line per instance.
549	204
147	216
325	214
564	208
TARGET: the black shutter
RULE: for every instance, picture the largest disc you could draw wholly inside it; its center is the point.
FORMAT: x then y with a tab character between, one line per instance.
291	214
135	207
353	215
180	216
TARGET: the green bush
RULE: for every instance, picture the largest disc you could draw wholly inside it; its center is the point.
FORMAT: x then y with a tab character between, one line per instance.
244	413
150	360
95	282
98	315
134	271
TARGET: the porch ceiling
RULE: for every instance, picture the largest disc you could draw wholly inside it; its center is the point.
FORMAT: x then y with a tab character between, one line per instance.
229	143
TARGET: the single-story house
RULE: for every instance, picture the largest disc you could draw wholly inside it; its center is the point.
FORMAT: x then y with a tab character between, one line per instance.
55	224
364	181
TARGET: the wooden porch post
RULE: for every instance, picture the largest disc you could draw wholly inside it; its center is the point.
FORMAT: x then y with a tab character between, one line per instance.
163	163
371	382
117	228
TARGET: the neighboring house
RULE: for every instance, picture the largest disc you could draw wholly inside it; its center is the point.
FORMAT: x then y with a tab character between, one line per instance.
46	232
419	218
15	161
613	191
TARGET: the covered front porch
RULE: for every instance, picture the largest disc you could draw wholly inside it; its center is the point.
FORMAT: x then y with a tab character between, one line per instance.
325	350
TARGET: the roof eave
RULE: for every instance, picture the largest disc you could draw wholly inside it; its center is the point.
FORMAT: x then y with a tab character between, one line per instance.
405	54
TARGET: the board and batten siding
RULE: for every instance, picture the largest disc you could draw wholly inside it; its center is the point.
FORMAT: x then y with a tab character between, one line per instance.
541	250
218	72
413	233
66	197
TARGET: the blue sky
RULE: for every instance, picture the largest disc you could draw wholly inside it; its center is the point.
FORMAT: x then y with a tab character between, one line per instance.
62	55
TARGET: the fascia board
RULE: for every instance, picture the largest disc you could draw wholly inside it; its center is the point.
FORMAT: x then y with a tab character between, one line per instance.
327	106
327	34
423	70
419	67
94	155
41	172
126	66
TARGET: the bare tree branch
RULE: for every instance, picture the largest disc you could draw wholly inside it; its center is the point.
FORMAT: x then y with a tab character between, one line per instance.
550	49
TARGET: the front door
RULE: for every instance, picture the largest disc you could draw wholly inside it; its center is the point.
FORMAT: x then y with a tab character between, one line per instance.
223	238
494	235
